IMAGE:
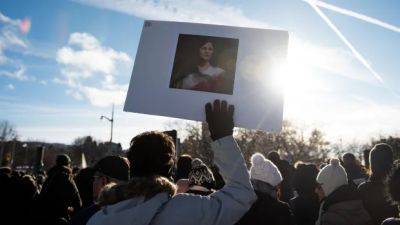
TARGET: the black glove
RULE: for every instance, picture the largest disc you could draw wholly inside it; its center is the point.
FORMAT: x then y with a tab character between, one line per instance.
219	119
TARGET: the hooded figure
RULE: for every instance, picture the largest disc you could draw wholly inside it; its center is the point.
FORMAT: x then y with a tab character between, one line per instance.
268	209
341	203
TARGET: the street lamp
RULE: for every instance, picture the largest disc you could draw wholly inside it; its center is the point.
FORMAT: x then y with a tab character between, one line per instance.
111	121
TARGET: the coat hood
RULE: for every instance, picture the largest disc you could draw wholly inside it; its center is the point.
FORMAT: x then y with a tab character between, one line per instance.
134	203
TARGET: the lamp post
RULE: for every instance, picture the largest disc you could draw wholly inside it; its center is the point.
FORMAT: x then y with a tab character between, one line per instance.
111	121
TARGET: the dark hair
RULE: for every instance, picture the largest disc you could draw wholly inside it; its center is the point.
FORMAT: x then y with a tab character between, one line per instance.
150	154
183	165
274	157
84	183
349	157
381	161
304	178
394	184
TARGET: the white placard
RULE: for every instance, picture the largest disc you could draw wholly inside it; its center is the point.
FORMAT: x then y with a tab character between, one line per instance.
179	67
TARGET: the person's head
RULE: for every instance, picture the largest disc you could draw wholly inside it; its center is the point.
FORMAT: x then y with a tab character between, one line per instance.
263	169
274	157
28	187
201	175
304	179
349	159
381	161
206	50
63	160
150	154
330	178
184	165
109	169
394	184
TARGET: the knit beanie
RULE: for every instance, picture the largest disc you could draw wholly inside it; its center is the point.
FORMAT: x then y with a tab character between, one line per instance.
264	170
332	176
201	175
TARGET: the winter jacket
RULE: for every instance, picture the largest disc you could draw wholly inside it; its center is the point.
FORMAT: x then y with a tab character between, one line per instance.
376	202
82	217
391	221
59	192
223	207
267	210
343	207
305	209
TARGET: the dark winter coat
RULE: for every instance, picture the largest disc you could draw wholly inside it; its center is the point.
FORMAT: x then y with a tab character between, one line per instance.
391	221
267	210
343	207
376	201
305	209
59	193
83	216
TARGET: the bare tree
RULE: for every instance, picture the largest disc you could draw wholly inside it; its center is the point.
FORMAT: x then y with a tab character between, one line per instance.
7	130
7	133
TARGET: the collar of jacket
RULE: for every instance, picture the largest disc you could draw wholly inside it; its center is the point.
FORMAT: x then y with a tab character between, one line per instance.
342	194
265	188
146	187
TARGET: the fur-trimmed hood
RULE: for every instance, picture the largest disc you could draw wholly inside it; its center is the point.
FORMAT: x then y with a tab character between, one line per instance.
133	203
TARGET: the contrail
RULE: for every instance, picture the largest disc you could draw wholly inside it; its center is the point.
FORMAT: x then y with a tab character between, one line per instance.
344	39
359	16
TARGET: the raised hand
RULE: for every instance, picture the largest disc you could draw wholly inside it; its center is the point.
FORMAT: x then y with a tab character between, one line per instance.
219	117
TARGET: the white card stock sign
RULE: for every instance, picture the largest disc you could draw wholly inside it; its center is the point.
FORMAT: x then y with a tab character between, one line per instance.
179	67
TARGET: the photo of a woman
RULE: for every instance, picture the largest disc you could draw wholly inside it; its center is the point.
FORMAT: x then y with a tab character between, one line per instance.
204	63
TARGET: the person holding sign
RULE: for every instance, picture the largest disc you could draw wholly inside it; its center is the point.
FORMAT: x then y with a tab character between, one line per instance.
150	198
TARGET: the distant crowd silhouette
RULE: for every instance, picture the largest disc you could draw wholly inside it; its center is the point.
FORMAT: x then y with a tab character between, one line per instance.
152	186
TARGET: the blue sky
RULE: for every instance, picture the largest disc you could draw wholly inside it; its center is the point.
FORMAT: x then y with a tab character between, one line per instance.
63	63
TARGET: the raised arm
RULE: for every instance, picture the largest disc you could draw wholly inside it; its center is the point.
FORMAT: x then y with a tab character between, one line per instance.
229	204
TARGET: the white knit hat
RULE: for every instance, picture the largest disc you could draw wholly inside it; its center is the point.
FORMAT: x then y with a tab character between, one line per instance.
263	169
332	176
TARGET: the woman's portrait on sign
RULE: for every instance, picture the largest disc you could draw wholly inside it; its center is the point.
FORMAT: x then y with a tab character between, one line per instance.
205	63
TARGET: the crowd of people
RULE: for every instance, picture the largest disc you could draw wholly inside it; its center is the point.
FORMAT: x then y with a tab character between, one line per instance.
151	185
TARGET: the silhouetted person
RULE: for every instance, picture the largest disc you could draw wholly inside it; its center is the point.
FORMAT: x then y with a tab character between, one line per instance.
59	197
84	183
355	172
287	171
394	191
375	199
305	205
183	167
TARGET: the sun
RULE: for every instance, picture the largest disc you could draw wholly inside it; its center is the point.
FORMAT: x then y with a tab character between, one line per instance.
297	75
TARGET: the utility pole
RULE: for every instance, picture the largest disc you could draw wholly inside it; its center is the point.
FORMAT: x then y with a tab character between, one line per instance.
111	120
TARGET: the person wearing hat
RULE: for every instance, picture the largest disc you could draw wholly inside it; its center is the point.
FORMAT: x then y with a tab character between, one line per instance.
201	179
340	202
268	209
109	170
373	192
